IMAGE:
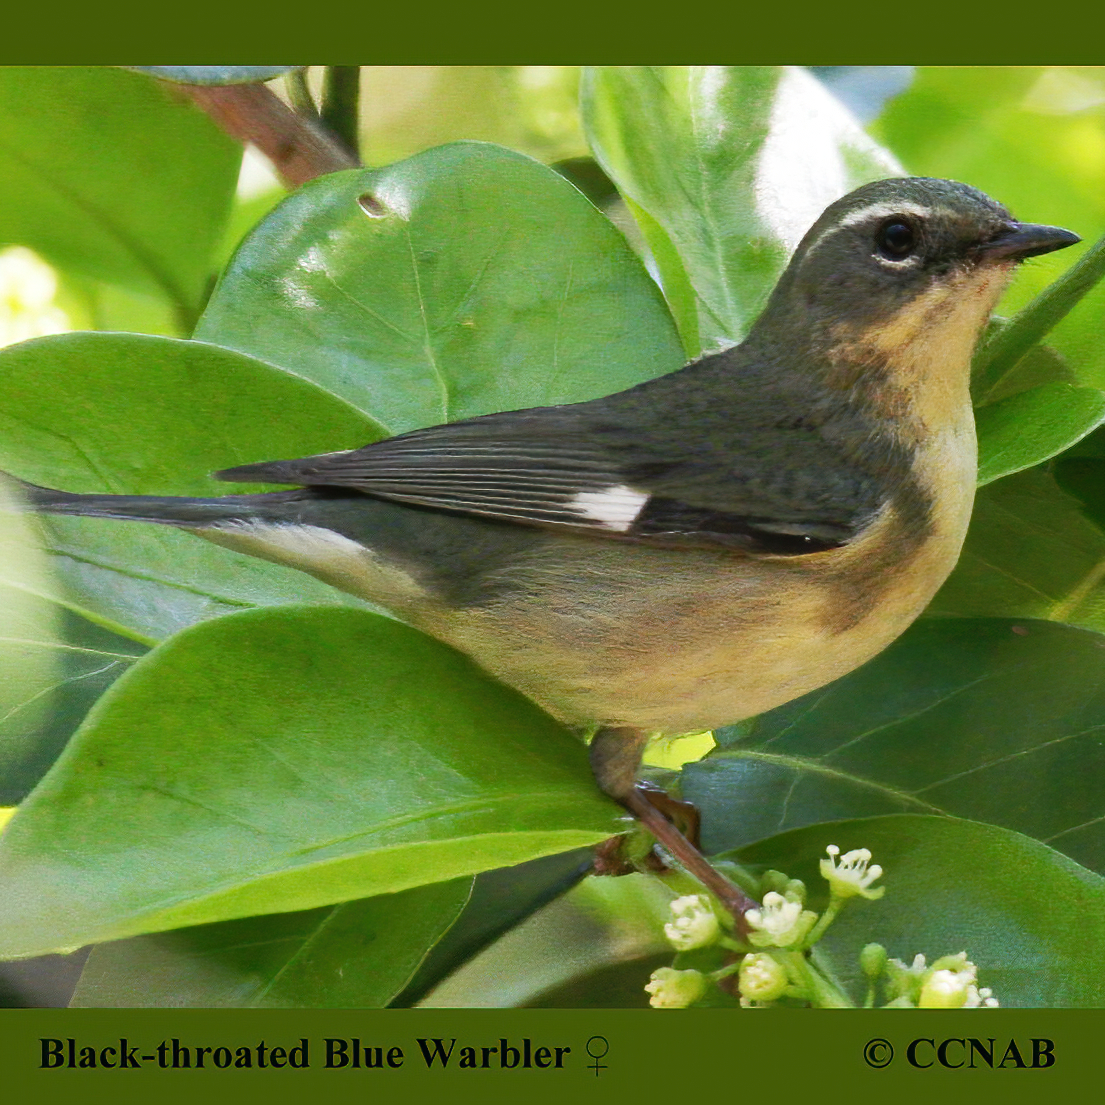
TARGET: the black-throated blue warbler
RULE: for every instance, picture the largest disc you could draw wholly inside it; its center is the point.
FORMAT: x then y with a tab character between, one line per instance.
701	547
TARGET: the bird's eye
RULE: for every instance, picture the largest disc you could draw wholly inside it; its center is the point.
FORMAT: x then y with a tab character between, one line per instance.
896	240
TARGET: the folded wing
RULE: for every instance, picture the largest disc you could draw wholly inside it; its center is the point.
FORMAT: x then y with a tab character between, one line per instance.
579	469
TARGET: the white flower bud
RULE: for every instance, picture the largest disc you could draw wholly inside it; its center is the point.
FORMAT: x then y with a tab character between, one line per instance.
980	999
905	982
672	989
694	924
779	923
761	978
944	990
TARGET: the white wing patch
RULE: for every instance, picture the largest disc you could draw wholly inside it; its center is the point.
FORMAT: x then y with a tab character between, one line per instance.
615	508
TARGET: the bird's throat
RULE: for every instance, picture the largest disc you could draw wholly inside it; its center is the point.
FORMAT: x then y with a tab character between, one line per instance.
912	370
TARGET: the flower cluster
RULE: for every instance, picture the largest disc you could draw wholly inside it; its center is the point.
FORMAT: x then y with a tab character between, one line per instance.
771	960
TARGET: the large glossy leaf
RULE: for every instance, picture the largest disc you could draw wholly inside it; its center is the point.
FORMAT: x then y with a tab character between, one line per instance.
1025	135
1030	918
131	414
281	760
730	166
355	955
995	720
1032	426
1031	552
1080	472
105	173
464	280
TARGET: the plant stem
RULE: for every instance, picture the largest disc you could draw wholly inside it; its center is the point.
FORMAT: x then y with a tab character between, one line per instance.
822	992
725	972
300	93
823	922
298	149
1006	347
341	93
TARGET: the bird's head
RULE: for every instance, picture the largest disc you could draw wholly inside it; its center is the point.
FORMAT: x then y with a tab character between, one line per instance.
886	245
903	274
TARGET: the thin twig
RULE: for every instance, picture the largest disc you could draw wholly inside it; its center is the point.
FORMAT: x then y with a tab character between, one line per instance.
732	897
295	84
298	149
341	93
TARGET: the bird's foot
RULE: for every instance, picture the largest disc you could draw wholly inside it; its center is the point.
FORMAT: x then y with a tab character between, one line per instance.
616	856
615	757
683	815
687	855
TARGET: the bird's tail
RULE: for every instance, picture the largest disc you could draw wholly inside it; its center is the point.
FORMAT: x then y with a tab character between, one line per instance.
168	510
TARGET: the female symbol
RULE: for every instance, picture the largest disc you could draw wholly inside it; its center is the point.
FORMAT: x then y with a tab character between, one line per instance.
596	1054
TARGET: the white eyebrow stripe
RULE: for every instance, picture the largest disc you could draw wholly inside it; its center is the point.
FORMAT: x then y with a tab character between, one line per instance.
881	210
615	508
884	209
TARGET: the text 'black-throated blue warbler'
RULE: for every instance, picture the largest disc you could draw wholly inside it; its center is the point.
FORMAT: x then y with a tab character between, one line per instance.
702	547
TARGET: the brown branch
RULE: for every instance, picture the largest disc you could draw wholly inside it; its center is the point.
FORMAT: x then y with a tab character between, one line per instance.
299	149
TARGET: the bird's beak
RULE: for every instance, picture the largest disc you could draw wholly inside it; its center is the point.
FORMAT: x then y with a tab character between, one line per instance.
1023	240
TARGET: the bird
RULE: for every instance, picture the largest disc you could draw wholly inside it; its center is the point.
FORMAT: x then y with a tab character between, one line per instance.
699	548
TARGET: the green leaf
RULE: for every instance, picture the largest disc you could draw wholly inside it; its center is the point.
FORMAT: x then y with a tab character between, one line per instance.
246	213
72	662
532	109
1031	552
500	900
1011	342
1040	365
1083	478
465	280
215	74
614	986
1024	429
53	664
356	955
731	165
108	175
131	414
281	760
994	720
1030	918
99	305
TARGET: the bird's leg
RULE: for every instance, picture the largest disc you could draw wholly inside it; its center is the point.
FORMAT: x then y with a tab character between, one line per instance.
615	760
